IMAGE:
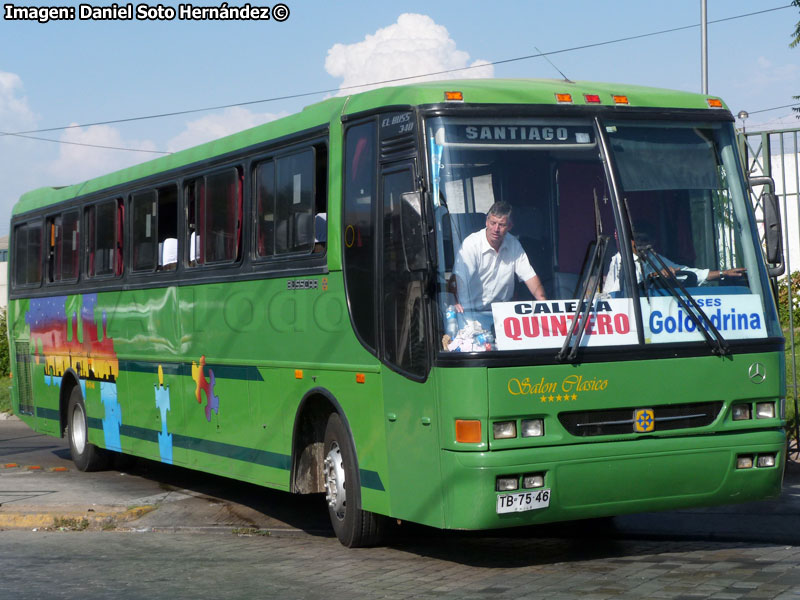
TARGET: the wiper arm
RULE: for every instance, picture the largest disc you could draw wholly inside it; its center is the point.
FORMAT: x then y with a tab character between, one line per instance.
665	275
585	301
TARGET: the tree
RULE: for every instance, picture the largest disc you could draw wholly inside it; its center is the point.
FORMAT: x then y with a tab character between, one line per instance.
796	34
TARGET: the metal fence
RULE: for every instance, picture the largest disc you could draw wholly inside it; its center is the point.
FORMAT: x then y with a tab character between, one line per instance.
776	154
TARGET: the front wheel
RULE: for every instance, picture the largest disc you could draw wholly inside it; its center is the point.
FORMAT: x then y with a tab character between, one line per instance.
353	526
86	456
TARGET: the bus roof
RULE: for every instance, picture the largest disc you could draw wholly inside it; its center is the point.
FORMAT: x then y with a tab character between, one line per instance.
474	91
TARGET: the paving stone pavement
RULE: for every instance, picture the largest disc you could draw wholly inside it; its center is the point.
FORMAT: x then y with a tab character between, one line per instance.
90	565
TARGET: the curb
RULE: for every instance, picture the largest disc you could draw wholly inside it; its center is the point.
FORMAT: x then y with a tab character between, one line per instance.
71	520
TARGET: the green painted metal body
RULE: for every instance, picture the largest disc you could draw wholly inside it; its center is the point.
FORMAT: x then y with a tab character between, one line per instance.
211	376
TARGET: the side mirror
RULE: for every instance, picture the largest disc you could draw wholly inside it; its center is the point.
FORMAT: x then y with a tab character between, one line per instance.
773	231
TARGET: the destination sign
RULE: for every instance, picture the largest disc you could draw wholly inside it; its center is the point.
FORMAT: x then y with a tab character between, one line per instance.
546	324
479	133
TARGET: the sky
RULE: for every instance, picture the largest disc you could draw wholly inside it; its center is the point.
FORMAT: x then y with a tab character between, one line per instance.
76	72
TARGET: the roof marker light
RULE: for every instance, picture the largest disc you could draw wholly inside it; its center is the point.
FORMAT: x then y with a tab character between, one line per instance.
620	99
714	103
592	99
454	96
564	98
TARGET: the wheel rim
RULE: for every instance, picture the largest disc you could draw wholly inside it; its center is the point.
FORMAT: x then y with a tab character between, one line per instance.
334	481
78	429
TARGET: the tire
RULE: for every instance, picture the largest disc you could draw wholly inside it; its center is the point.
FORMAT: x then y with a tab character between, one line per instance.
353	526
86	456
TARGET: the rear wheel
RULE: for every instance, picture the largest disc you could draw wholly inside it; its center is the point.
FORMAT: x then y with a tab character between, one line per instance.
353	526
86	456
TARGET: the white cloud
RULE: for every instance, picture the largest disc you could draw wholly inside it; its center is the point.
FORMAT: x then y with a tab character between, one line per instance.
218	125
79	160
765	73
414	45
19	170
15	114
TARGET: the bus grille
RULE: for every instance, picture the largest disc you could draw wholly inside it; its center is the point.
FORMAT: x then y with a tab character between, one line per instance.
22	377
620	420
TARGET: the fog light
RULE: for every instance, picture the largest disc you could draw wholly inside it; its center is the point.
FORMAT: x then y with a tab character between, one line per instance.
765	410
532	428
744	462
504	430
766	460
534	480
507	484
741	412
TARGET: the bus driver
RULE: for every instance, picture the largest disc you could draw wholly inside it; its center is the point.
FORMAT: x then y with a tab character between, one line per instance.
487	262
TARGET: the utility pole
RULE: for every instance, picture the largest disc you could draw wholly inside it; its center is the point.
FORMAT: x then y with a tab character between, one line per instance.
704	45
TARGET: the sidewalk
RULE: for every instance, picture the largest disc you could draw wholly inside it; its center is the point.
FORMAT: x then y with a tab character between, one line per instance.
41	488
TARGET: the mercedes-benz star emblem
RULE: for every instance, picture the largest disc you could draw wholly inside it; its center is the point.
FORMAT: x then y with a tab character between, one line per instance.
757	372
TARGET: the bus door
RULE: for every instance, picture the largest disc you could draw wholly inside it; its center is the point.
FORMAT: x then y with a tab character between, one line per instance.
409	403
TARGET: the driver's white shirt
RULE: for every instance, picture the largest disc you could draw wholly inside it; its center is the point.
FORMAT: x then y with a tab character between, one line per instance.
613	280
486	275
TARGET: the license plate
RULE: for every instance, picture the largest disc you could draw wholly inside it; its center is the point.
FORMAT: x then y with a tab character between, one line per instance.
522	501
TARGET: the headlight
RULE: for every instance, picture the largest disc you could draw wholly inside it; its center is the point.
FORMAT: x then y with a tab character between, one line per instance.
507	484
765	410
504	430
741	412
532	427
533	480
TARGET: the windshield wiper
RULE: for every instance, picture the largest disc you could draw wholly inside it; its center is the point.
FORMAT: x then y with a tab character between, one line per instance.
586	299
673	285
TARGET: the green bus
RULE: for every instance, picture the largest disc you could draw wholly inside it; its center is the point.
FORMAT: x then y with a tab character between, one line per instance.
339	302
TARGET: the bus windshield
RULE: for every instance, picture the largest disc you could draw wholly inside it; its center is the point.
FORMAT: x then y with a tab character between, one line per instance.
529	234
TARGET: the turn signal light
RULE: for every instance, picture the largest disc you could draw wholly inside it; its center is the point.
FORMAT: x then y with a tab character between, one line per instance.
454	96
468	431
620	99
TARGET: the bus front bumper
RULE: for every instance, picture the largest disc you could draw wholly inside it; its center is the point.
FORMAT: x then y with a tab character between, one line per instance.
601	479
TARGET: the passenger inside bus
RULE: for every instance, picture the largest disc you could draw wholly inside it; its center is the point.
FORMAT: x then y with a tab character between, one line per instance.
688	276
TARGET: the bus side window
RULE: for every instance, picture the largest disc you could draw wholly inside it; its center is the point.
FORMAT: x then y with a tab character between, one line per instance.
167	228
265	208
104	238
294	212
63	244
155	221
53	233
27	254
358	222
69	248
143	233
215	217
